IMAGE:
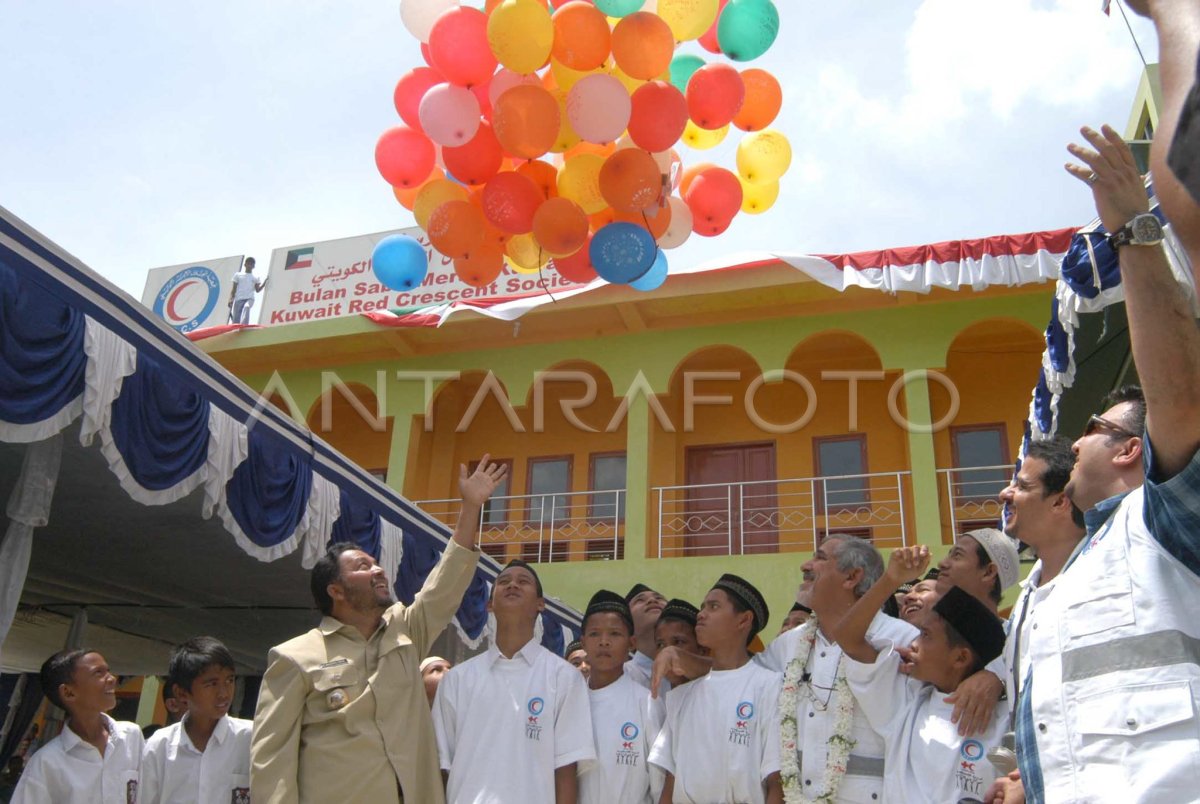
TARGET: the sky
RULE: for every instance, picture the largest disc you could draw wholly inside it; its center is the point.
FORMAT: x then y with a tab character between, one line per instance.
138	134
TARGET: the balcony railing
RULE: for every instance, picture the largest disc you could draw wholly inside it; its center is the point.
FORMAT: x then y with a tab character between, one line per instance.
567	526
970	496
790	515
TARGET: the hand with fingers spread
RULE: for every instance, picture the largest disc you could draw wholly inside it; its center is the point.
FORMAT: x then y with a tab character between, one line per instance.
1108	168
479	486
906	564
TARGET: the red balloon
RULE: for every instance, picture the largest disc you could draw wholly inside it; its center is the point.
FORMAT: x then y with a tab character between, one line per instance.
459	47
404	157
714	95
485	100
658	116
578	267
709	40
478	160
425	54
510	200
410	89
714	197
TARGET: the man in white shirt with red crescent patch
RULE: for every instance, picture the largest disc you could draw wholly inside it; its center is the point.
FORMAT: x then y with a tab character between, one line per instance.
513	723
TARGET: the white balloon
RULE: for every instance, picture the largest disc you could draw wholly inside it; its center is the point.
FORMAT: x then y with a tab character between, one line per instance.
680	228
419	16
449	114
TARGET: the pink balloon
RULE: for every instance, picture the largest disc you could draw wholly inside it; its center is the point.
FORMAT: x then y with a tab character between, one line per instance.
404	157
449	114
411	87
458	46
598	107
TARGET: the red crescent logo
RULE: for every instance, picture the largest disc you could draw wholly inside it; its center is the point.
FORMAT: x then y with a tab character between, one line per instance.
171	314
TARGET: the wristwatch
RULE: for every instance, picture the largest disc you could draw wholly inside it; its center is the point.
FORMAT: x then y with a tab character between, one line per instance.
1144	230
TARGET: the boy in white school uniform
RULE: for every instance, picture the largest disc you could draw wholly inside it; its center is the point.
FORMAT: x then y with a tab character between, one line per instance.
94	759
926	758
625	719
204	758
720	741
513	723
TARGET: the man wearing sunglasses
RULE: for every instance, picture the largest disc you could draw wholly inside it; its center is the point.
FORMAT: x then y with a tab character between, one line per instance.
1107	711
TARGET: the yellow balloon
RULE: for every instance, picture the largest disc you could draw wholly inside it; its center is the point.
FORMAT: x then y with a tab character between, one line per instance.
758	198
579	180
433	195
524	254
566	77
702	138
688	19
763	156
567	138
629	82
520	34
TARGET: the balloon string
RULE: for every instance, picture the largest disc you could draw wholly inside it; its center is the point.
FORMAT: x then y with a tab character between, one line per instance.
542	283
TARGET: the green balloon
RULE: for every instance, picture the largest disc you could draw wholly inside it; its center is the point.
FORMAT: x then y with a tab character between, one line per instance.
682	67
619	8
747	28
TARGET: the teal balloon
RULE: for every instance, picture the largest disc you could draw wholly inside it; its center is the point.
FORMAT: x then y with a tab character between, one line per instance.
747	28
620	8
682	67
655	276
399	262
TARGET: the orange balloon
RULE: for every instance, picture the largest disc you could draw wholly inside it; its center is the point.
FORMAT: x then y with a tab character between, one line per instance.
581	36
598	220
655	219
408	196
690	173
455	228
763	100
577	267
494	235
432	195
604	151
630	181
478	160
526	120
642	45
509	201
479	268
560	226
543	174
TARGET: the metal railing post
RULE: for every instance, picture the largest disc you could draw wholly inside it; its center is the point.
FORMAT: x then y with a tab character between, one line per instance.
951	503
729	519
550	547
616	524
900	503
741	519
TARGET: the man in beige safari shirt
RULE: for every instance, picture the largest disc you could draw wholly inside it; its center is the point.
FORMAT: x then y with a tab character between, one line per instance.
342	713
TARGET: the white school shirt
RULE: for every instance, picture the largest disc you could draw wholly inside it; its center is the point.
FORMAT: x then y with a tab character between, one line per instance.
175	772
68	770
721	736
625	723
926	760
244	285
505	725
814	720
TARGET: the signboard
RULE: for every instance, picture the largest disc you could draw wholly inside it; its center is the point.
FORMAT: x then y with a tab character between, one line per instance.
334	278
192	295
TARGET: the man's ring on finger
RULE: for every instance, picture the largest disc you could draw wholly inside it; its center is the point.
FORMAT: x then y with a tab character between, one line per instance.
1091	179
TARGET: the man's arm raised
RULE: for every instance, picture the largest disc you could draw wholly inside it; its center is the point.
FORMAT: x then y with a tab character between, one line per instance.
905	563
476	489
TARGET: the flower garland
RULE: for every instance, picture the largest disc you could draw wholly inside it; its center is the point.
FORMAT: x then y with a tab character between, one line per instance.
840	742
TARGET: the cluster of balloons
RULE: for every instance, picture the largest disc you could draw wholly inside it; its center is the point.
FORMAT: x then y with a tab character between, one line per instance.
544	132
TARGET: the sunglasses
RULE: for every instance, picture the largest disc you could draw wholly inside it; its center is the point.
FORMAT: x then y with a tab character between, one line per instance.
1095	423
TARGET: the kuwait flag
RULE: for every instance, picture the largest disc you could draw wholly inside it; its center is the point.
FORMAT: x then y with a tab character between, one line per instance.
298	258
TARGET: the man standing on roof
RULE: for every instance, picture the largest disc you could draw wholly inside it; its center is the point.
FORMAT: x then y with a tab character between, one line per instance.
241	296
342	714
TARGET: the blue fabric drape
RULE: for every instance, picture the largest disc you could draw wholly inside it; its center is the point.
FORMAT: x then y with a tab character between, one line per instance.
552	636
268	492
1077	269
1056	340
160	426
420	557
358	524
1041	404
472	614
42	362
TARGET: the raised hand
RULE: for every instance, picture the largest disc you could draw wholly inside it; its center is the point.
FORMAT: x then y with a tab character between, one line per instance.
479	486
907	563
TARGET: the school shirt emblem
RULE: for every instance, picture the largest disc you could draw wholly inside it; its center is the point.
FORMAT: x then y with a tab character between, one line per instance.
533	731
965	777
740	733
241	795
131	791
628	754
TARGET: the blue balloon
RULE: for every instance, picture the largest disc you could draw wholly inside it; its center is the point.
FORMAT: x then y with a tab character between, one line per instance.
622	252
655	276
400	262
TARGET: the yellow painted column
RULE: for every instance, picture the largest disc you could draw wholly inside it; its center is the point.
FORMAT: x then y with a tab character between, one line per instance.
917	419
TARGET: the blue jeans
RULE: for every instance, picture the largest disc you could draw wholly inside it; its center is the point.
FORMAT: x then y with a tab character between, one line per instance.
241	310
